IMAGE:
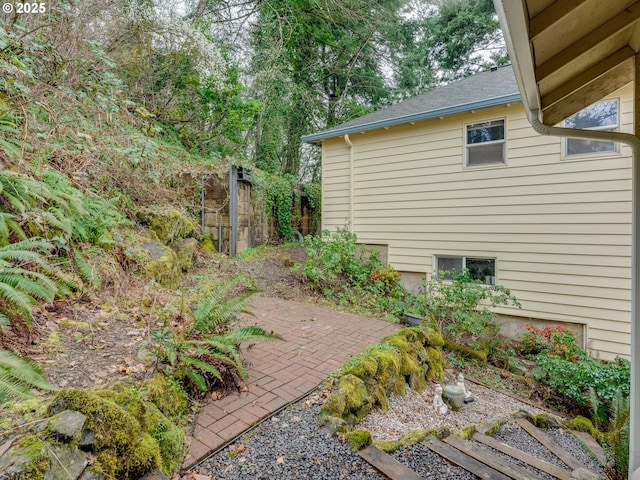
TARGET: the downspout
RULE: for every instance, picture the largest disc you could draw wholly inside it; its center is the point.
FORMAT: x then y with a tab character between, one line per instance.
634	142
348	142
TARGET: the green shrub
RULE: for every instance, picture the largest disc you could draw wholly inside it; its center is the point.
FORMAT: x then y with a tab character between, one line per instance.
353	275
463	305
334	259
571	372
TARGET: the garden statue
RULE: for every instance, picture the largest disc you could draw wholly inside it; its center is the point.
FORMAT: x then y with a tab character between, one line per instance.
467	394
438	404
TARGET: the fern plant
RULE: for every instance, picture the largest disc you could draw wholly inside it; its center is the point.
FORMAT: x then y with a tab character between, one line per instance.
221	306
18	376
8	132
26	277
617	435
200	359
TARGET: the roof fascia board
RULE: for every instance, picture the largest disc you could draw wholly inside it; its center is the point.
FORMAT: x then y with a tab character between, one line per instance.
390	122
512	17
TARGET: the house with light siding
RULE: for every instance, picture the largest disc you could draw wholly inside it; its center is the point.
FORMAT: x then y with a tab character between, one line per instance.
457	177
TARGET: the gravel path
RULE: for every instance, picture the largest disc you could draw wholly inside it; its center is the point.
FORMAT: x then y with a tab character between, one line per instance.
291	445
414	410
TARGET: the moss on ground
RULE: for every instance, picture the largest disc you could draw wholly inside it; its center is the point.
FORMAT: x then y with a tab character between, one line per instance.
358	439
388	446
466	352
167	395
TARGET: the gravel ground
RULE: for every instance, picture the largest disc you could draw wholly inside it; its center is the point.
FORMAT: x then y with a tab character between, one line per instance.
414	410
291	445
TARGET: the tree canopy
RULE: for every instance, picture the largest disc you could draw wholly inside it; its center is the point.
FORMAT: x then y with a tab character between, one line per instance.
248	78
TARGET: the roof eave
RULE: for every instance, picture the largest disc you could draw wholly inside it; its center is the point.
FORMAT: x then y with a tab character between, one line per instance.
512	17
390	122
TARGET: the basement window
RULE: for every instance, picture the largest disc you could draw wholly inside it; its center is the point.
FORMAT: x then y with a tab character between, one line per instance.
601	116
483	269
485	143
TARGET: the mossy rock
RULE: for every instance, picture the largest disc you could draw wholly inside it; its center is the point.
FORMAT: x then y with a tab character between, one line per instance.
26	460
121	394
166	395
351	401
358	402
132	437
435	364
366	368
185	250
582	424
144	458
434	339
467	432
335	405
544	420
417	381
417	436
208	245
113	427
164	266
169	225
358	439
378	395
388	364
387	446
490	428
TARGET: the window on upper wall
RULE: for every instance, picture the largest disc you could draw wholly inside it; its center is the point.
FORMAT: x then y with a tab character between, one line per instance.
483	269
485	143
602	116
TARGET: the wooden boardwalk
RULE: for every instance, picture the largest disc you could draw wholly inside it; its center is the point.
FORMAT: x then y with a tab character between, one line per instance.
471	456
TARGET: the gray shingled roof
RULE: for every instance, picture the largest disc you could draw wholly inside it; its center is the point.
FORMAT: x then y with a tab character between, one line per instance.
481	90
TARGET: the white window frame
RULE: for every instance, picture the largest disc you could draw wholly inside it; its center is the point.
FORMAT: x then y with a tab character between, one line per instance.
493	280
467	145
600	128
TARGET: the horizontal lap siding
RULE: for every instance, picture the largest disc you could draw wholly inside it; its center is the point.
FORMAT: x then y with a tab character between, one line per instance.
335	184
560	228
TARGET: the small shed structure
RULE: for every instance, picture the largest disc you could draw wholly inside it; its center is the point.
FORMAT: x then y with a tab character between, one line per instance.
236	216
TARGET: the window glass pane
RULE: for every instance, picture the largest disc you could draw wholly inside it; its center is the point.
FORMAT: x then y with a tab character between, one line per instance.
581	146
485	132
483	269
485	154
601	114
448	264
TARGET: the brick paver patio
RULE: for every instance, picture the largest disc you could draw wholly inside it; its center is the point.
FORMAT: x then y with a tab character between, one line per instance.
318	341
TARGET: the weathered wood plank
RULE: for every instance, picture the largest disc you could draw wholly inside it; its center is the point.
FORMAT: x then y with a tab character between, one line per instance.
463	460
541	465
387	465
498	463
548	442
593	446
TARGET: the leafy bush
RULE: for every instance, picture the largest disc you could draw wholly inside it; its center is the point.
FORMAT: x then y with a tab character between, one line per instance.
334	259
385	278
571	372
554	340
463	305
353	275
